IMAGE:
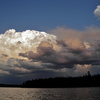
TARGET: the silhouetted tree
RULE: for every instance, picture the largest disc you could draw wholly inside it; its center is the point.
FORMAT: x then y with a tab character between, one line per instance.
89	74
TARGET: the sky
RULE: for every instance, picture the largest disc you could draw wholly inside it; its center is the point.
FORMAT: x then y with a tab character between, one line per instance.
47	14
48	38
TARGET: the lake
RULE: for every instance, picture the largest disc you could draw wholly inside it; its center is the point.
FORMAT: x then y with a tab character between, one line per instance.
49	93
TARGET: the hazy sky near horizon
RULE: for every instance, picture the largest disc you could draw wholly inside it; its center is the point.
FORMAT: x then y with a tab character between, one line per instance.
47	14
71	49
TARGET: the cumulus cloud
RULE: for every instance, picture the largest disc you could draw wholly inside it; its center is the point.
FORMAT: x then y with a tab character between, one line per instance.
65	52
22	41
97	11
72	51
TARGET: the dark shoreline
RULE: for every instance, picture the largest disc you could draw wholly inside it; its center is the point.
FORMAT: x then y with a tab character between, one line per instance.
59	82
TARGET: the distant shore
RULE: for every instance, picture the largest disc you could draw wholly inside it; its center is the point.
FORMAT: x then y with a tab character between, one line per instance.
59	82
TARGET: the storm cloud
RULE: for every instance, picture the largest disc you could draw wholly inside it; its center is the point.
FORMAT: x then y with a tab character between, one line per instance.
34	54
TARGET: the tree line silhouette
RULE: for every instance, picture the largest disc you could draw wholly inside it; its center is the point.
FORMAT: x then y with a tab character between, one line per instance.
63	82
87	80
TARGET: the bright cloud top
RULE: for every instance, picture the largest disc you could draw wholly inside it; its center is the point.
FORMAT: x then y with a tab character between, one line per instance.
13	42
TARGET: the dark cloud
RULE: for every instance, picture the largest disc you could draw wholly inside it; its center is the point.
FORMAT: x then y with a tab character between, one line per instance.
67	57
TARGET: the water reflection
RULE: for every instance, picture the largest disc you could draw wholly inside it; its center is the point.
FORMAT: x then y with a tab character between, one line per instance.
50	94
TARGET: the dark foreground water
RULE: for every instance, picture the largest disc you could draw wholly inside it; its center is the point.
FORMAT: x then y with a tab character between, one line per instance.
50	94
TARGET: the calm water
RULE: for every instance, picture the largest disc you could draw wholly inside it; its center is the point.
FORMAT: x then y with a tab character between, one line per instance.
49	94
